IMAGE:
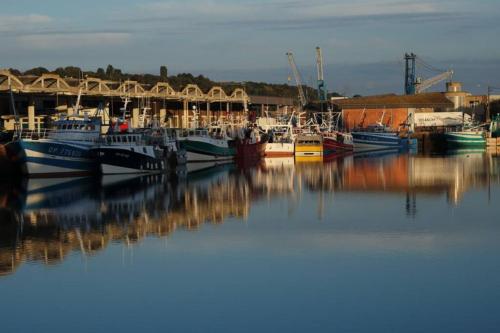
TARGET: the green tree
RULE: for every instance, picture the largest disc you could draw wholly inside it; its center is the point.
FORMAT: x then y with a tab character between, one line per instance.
109	72
163	73
101	73
38	71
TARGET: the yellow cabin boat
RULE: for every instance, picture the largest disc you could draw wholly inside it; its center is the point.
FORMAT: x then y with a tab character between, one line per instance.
309	145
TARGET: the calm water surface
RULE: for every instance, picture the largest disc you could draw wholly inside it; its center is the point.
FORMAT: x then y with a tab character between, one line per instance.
392	243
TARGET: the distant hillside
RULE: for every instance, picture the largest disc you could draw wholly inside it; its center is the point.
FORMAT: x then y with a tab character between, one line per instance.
176	81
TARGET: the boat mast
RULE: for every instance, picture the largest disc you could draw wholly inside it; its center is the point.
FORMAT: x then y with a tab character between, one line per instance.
17	128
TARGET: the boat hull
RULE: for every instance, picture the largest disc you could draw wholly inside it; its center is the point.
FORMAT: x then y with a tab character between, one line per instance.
279	149
203	151
309	150
366	141
115	161
250	151
465	139
332	145
48	158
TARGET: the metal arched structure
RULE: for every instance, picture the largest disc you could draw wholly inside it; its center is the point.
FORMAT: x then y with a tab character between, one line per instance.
165	90
131	88
217	94
8	81
239	95
50	83
95	86
53	83
193	93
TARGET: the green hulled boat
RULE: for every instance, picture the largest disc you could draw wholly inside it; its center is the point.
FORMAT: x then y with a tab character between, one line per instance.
466	138
495	126
203	145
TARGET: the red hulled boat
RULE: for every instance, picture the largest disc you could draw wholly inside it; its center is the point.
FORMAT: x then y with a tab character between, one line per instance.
337	142
247	150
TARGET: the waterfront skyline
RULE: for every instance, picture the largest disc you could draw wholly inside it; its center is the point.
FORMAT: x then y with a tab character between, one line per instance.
363	41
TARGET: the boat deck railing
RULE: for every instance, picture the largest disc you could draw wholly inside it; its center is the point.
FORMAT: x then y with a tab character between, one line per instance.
47	133
42	133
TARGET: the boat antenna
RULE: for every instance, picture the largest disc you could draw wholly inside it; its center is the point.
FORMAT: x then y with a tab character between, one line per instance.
77	105
17	126
12	104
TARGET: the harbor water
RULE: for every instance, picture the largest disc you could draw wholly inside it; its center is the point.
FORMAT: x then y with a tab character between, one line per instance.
385	243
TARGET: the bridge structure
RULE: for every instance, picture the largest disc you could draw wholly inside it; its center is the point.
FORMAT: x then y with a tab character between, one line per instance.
174	107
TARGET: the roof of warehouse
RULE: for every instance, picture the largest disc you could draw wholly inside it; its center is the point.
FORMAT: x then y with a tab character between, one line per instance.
395	101
270	100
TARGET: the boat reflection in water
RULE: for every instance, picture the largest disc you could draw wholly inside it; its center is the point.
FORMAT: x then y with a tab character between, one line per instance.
45	220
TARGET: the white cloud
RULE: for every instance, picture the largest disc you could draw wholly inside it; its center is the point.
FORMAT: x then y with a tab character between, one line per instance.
21	22
213	10
73	40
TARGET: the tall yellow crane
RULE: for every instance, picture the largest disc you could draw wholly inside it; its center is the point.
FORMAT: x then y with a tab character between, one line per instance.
298	78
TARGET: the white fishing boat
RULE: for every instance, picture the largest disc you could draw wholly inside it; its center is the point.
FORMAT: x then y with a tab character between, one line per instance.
281	140
64	149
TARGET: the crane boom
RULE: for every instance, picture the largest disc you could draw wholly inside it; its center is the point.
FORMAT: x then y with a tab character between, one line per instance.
298	79
322	94
424	85
319	63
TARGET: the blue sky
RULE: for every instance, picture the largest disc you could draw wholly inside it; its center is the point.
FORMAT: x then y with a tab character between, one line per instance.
234	39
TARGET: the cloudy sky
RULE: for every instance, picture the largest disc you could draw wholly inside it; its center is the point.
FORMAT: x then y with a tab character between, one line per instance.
363	40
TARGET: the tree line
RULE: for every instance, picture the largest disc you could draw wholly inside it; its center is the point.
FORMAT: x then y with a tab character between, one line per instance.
177	81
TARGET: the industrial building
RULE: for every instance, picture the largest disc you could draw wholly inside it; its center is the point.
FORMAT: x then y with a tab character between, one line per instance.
396	111
393	111
49	94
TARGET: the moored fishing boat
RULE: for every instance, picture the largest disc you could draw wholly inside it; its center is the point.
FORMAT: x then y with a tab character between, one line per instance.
334	139
64	149
308	145
202	145
366	140
334	142
126	153
166	139
281	148
495	126
250	147
380	137
466	138
280	141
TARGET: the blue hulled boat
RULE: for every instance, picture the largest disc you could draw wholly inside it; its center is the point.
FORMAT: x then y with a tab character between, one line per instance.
64	149
379	137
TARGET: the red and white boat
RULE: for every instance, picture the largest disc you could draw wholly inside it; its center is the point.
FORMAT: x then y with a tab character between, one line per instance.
247	150
249	145
281	142
334	142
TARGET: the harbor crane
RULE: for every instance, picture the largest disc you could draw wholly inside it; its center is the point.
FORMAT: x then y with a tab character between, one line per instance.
298	79
414	84
322	92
